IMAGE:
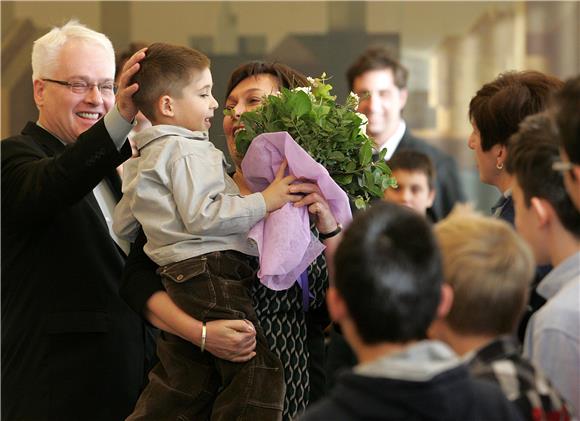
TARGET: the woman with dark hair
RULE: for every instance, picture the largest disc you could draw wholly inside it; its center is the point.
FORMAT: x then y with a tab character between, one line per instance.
495	113
294	334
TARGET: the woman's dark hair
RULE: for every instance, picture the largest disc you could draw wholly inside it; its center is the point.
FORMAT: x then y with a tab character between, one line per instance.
287	77
500	105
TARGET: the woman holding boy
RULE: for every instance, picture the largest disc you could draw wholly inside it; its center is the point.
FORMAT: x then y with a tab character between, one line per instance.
280	313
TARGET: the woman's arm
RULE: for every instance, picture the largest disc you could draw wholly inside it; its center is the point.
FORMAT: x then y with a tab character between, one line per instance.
232	340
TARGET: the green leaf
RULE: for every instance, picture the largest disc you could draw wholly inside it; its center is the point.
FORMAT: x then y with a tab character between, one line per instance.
366	154
337	155
343	179
299	103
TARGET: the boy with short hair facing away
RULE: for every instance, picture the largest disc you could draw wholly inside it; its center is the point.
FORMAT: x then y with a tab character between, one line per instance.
547	219
387	290
415	177
490	268
196	224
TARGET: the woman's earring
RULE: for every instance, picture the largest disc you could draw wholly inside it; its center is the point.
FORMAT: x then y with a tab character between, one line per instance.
499	165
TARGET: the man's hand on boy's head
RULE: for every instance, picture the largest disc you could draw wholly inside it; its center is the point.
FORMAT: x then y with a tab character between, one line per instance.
125	90
278	193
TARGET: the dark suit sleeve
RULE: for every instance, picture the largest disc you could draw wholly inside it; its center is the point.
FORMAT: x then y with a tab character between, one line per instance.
140	280
35	187
449	189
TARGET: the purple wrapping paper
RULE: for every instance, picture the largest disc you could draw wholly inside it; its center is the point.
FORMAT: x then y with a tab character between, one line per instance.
285	243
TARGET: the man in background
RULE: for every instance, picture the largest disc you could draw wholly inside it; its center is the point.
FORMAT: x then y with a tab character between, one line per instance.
381	83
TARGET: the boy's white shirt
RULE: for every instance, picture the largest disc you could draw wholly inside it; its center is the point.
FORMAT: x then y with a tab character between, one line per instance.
179	192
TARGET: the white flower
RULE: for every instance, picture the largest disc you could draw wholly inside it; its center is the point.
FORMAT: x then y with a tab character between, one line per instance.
353	100
312	81
363	125
307	90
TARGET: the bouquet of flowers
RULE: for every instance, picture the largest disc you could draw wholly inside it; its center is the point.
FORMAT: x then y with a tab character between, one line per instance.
334	135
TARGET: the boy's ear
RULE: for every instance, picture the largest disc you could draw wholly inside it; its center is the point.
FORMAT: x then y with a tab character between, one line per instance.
576	173
431	197
165	106
446	301
336	305
542	209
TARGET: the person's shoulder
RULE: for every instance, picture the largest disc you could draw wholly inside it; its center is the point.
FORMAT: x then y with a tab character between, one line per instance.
27	140
490	402
410	141
561	311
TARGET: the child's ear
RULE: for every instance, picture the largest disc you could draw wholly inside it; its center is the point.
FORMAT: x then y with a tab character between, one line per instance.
336	305
542	209
446	301
165	106
576	173
431	197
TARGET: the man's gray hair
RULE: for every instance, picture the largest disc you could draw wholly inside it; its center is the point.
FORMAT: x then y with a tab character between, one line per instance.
46	49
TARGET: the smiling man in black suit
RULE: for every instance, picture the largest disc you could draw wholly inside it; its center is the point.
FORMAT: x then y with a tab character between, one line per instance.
71	348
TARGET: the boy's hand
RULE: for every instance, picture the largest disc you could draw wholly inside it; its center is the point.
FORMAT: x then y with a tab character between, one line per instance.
125	92
277	194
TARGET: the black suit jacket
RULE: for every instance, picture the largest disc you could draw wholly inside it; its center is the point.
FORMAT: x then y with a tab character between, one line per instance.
447	185
71	347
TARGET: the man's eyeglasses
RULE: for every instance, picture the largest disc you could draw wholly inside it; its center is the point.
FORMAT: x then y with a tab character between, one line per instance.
562	166
82	87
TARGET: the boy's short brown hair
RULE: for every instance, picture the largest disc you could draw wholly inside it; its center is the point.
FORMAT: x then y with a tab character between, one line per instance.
414	161
165	70
489	267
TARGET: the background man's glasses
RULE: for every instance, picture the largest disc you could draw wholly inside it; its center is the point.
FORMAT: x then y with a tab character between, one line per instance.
82	87
562	166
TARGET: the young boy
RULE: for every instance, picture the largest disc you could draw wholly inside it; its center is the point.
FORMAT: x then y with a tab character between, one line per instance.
488	266
386	293
196	223
547	219
415	177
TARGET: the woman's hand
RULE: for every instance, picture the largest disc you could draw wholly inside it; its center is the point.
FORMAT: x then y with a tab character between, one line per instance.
317	206
232	340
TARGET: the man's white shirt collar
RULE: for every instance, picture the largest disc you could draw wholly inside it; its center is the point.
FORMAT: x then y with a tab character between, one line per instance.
392	142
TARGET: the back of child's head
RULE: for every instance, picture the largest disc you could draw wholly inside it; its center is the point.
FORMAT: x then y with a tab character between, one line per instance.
489	267
568	118
531	153
414	161
388	270
166	70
